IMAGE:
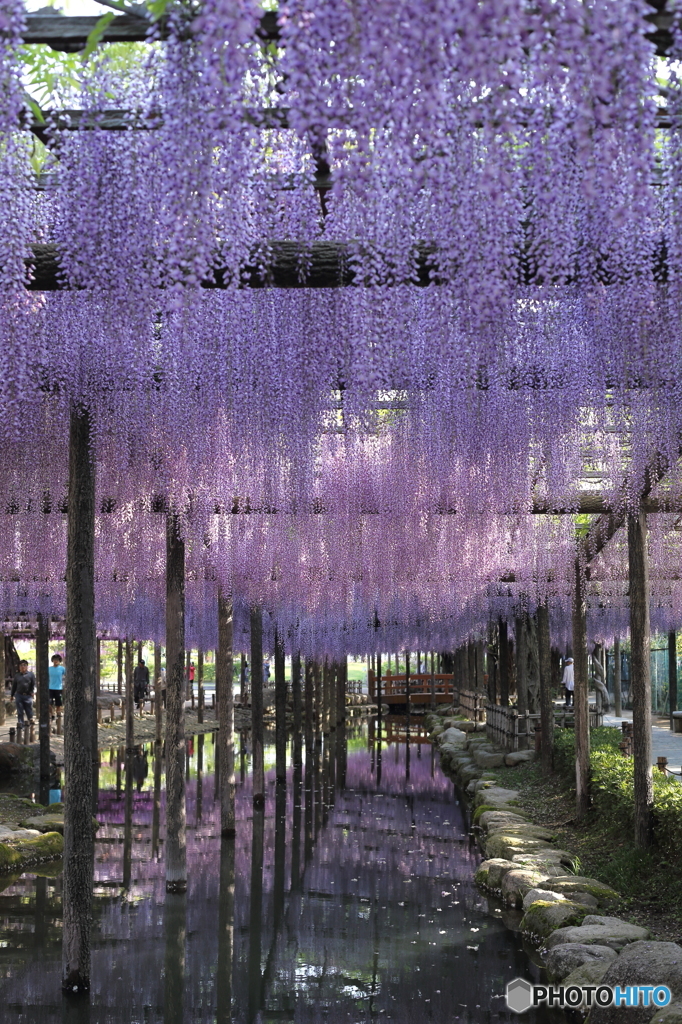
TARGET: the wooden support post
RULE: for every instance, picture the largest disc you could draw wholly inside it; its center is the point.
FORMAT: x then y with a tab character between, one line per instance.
119	669
130	702
176	815
297	708
242	679
98	668
580	700
546	705
521	664
640	677
79	695
3	673
617	666
158	697
280	711
200	686
224	688
257	705
407	687
317	688
190	685
326	697
504	663
43	667
112	712
672	673
433	681
341	687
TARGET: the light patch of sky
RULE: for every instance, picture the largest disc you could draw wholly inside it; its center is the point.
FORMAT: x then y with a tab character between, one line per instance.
73	7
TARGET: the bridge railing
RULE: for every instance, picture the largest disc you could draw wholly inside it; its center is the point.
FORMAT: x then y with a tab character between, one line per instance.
420	683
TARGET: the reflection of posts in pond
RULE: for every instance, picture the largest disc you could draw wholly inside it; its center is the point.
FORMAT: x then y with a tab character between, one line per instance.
280	849
76	1011
175	926
156	811
128	821
200	775
296	826
40	920
309	790
225	932
255	912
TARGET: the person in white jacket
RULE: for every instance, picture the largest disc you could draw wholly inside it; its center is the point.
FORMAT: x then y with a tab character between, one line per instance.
567	681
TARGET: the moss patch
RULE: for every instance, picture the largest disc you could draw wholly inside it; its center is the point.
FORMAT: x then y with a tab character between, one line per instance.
25	852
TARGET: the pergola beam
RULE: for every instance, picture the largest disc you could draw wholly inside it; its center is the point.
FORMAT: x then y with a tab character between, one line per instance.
70	34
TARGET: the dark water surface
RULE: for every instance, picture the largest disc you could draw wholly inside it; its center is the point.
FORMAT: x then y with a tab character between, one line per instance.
349	899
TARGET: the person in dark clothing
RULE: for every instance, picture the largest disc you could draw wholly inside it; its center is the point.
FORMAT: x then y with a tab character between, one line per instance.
140	684
23	688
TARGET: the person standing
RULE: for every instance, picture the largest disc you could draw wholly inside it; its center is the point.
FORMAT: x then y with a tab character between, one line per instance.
56	680
23	688
567	681
140	684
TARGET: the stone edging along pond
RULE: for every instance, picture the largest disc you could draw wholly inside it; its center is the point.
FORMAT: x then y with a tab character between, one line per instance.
566	914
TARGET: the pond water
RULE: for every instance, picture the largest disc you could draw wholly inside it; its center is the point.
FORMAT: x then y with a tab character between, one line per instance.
348	899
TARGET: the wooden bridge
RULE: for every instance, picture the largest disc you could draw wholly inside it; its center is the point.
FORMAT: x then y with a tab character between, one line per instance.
423	688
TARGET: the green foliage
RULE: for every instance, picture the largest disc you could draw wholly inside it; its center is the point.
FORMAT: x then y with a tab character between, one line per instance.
612	792
97	34
603	738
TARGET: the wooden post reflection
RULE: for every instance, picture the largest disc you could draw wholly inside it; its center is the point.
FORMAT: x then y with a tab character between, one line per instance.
225	932
175	926
255	912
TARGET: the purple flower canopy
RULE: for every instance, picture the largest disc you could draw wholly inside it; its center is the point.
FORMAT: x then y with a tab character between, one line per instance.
348	455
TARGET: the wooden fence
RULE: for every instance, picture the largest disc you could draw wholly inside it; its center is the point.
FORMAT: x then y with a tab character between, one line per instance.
513	731
471	703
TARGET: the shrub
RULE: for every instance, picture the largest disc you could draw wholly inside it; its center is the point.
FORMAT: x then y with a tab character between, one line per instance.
603	738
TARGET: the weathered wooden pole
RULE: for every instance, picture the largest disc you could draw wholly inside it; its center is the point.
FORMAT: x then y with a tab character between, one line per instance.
317	689
254	975
521	664
672	673
119	668
640	676
79	704
546	705
326	695
3	672
158	697
407	688
225	696
341	686
504	663
617	689
580	698
43	667
257	705
308	705
176	816
242	679
297	708
200	686
130	697
280	711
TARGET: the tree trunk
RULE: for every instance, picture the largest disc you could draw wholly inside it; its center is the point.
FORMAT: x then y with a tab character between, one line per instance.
504	664
280	712
546	707
521	664
617	691
79	695
257	705
119	669
43	666
672	673
225	696
582	714
341	686
640	677
176	820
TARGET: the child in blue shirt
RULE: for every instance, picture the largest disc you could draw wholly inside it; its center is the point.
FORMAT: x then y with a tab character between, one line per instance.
57	671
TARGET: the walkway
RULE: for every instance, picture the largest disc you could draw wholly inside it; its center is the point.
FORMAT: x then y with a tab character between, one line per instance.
664	743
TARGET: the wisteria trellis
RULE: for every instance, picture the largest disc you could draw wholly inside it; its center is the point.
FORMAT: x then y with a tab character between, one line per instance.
349	454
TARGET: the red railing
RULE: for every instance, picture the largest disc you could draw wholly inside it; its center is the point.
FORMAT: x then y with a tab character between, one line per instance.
420	684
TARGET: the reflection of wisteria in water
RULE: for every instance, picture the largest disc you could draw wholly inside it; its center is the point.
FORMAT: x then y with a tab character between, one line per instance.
359	904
